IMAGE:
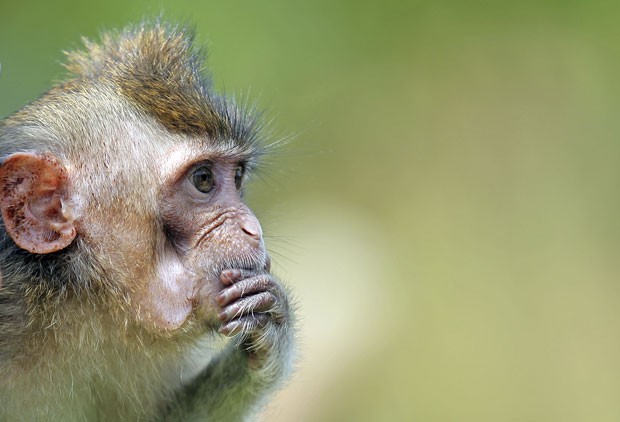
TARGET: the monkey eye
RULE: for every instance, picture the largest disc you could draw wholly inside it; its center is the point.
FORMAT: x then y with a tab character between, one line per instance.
239	172
202	179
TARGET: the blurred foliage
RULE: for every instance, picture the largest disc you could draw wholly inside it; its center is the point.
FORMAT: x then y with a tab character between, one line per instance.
448	211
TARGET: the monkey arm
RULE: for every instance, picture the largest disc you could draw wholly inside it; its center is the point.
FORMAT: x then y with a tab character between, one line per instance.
236	382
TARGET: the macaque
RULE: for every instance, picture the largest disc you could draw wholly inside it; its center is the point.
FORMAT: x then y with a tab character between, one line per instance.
126	249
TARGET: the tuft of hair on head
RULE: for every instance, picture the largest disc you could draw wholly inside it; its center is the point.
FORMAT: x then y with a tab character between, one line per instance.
159	69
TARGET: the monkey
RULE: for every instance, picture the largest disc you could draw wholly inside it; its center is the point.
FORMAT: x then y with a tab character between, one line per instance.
127	252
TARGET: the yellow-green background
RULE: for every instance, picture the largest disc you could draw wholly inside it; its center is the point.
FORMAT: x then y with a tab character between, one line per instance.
448	213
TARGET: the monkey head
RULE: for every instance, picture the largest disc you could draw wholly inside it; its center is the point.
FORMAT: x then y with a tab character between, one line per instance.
132	173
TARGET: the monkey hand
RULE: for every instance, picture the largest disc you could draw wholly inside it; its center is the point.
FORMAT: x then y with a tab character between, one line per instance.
255	307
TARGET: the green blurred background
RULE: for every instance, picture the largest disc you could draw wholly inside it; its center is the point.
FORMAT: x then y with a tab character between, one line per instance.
448	210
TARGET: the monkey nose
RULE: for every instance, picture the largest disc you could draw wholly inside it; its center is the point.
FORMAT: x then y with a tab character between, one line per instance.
250	226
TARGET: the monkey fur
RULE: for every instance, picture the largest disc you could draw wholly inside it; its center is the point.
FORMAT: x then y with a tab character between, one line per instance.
126	251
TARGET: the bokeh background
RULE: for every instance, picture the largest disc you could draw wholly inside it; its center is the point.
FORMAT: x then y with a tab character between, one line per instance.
447	212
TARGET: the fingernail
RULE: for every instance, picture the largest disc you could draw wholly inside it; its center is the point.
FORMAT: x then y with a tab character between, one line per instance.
225	276
229	276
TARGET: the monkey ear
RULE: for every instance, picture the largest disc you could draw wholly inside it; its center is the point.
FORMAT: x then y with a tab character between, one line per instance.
32	192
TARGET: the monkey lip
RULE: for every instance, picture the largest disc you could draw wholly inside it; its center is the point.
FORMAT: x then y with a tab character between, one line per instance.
258	262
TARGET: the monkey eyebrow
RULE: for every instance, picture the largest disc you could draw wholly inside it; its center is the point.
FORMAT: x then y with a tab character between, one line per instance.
233	152
233	148
249	159
230	157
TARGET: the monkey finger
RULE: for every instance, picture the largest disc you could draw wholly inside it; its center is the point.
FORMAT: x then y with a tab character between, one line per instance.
244	324
260	302
244	287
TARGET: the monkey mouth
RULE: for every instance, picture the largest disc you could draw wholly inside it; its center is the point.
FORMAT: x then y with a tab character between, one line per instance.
256	263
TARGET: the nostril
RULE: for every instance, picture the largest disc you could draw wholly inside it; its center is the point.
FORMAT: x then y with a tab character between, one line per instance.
250	232
251	227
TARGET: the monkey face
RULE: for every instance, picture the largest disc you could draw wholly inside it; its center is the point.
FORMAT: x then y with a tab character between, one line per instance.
211	229
200	228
